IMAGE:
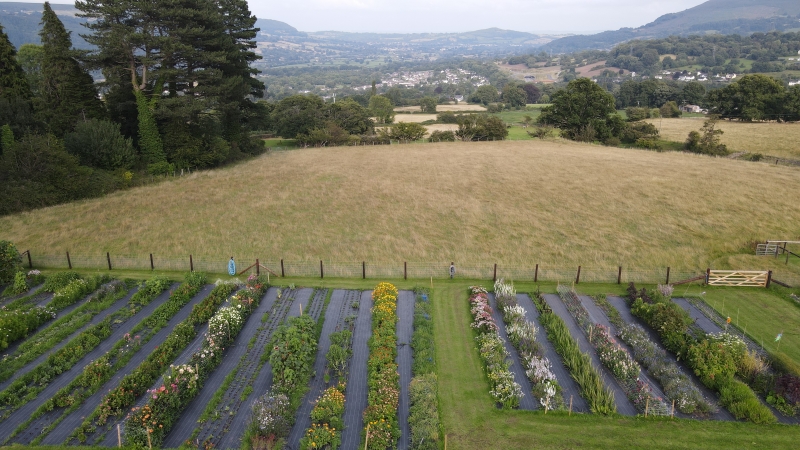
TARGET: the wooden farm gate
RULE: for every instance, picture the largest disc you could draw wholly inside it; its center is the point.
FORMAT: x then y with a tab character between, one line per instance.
752	278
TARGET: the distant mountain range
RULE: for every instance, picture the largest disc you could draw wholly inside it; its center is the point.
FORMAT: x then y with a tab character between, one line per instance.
714	16
280	44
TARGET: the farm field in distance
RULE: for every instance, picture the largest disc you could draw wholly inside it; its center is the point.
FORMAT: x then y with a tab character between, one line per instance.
773	139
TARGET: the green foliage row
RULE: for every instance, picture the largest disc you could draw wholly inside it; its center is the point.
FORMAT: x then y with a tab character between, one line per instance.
28	386
423	413
292	350
77	290
98	372
10	261
715	359
17	323
599	398
61	328
58	280
133	385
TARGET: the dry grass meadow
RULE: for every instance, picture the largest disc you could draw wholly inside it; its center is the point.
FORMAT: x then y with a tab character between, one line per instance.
513	202
414	118
774	139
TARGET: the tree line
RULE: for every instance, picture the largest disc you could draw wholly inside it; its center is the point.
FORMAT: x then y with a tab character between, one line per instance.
177	92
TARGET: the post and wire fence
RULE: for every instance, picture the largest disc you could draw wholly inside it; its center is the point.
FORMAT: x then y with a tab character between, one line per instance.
534	272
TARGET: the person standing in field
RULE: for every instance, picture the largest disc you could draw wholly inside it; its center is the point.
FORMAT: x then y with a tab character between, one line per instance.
231	267
452	270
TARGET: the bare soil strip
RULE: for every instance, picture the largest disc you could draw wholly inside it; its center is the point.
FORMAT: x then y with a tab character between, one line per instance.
60	434
624	406
356	392
569	388
405	329
527	401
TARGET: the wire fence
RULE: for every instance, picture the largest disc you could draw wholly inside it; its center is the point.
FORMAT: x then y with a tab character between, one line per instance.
374	270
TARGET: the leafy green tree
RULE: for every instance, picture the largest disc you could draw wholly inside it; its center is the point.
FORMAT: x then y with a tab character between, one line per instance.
514	96
99	143
583	111
428	104
485	94
707	140
350	116
298	114
442	136
752	98
67	92
635	113
407	132
791	104
481	127
693	93
381	108
670	110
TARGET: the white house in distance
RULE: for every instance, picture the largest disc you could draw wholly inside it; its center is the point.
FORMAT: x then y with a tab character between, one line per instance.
691	109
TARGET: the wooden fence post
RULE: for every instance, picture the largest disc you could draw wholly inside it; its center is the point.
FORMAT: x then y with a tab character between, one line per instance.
364	270
667	275
283	274
69	262
108	257
536	274
619	275
321	271
494	277
258	268
578	277
30	264
708	274
405	270
191	264
152	266
769	278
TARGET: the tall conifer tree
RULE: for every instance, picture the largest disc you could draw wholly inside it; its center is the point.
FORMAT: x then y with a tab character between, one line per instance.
67	93
15	92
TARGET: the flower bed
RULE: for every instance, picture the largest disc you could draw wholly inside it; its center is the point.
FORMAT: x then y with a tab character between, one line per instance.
15	324
599	398
491	347
522	335
616	359
423	413
183	383
677	385
326	421
136	383
383	377
715	358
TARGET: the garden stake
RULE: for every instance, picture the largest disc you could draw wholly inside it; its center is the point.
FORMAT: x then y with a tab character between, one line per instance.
119	437
646	406
591	328
737	317
301	309
367	440
149	442
673	409
570	405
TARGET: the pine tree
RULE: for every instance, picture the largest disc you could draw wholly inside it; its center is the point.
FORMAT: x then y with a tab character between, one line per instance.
67	92
15	92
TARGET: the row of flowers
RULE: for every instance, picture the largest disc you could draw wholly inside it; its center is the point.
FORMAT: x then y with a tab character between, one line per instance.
327	420
491	347
616	358
183	383
677	385
380	416
716	359
135	384
522	334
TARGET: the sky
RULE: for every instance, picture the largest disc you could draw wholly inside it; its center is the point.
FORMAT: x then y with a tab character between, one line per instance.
421	16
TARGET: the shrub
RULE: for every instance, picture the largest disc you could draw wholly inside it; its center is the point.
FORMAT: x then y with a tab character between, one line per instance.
670	110
542	132
272	415
10	262
635	113
442	136
649	144
20	284
291	351
99	143
58	280
447	117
